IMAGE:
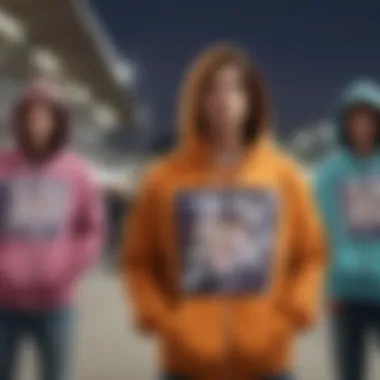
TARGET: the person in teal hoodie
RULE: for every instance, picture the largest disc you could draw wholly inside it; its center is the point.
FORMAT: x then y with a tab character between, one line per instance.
348	194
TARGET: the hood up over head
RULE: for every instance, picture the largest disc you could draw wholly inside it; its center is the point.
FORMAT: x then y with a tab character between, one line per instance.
38	92
360	94
193	126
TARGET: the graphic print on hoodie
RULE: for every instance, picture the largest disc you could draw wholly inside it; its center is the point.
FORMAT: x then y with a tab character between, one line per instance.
227	240
347	189
361	202
223	265
33	208
51	214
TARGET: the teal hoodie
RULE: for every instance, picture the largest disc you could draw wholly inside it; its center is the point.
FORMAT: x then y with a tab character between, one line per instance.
348	194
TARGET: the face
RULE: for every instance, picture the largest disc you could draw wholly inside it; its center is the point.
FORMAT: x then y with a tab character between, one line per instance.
226	104
362	126
40	123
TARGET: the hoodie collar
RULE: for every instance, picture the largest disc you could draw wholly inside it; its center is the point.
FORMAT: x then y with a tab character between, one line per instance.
46	93
361	93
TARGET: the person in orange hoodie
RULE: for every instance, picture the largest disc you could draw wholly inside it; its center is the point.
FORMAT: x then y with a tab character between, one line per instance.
224	252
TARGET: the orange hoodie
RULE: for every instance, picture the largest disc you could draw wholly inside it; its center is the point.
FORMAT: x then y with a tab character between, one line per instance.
224	267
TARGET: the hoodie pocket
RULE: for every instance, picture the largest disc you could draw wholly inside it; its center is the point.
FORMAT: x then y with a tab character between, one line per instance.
194	335
262	332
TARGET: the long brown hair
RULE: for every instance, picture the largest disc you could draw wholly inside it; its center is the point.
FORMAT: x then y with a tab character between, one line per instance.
200	77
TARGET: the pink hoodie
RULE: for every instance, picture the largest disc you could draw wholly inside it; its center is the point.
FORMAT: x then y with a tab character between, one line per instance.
51	219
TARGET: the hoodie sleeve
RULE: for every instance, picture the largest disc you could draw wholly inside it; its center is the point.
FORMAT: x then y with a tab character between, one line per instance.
89	226
139	259
307	243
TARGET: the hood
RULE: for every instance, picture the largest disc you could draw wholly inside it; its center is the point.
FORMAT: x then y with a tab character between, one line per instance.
41	91
364	93
192	138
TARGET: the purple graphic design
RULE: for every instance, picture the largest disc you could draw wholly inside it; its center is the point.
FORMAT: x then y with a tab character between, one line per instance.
361	205
32	208
227	239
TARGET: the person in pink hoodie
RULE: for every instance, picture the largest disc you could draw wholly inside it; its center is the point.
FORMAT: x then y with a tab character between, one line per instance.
51	228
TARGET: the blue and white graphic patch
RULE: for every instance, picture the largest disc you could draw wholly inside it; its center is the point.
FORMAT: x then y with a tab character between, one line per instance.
32	208
361	204
227	239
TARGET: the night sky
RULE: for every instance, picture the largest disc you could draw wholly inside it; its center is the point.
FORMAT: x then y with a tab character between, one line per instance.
307	50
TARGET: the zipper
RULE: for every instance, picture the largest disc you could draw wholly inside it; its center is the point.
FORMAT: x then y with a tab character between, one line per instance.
226	294
228	180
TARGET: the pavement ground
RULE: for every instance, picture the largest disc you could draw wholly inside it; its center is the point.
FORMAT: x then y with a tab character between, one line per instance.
107	347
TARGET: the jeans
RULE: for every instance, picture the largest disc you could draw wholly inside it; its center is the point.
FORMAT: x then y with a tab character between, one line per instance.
352	324
49	331
280	376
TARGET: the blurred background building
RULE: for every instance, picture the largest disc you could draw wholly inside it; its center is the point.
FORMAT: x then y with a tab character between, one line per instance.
312	142
66	41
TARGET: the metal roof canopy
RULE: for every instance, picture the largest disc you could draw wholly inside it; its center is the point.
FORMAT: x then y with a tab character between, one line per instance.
60	27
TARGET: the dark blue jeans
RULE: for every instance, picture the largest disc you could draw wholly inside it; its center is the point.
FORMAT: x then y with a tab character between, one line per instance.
353	323
281	376
49	331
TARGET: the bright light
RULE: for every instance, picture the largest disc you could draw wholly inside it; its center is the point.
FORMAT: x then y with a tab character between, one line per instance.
124	71
105	116
11	28
45	61
78	93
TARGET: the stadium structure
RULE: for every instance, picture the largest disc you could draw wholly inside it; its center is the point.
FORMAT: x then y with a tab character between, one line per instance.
66	42
310	144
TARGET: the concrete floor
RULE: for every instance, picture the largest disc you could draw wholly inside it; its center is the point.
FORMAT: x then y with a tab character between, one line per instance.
108	349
